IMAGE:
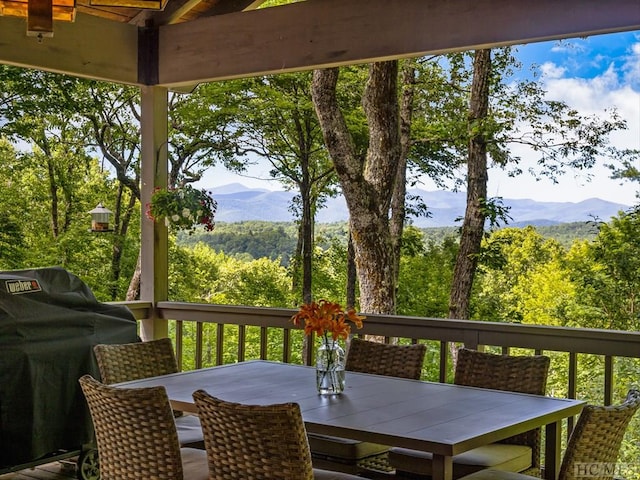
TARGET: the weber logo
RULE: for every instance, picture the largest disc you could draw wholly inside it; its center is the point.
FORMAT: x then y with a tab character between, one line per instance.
17	287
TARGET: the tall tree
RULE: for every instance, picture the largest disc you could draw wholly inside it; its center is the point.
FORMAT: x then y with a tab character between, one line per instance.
398	200
477	177
279	124
112	125
367	181
502	114
38	116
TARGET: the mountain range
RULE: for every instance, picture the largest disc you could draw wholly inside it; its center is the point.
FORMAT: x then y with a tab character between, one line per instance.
238	203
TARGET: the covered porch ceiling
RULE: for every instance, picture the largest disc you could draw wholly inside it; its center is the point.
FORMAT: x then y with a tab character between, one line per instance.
193	41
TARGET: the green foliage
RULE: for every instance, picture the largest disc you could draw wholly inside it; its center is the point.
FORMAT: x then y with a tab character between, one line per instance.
260	283
250	240
330	272
425	280
199	274
532	289
193	272
45	220
12	244
607	273
566	233
12	248
510	261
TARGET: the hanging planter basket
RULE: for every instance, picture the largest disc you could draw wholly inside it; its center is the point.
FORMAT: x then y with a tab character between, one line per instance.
183	208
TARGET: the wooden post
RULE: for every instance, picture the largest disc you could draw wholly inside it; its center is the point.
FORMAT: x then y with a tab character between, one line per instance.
154	279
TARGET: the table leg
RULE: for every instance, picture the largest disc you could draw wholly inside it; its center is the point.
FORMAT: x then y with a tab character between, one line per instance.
552	450
441	467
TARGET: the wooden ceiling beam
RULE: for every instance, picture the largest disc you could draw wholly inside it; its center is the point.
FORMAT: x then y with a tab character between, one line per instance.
317	34
302	36
91	48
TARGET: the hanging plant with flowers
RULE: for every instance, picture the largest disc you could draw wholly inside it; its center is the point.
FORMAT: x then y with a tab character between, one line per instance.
182	208
330	322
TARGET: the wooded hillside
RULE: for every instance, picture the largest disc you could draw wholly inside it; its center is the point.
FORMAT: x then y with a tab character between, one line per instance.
276	240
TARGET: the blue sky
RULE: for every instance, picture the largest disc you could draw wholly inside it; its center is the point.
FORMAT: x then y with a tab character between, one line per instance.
590	74
583	57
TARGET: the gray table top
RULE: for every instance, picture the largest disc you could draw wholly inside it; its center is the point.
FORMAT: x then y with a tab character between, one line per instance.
440	418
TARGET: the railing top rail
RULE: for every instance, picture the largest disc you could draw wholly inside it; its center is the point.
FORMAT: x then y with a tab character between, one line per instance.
470	332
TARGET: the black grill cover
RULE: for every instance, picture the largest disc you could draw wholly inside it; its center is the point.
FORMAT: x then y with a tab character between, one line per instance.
49	323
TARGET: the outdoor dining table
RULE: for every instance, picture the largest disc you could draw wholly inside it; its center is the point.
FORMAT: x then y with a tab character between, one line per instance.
435	417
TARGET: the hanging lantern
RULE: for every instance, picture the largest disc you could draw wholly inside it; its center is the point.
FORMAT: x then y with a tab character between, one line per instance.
100	219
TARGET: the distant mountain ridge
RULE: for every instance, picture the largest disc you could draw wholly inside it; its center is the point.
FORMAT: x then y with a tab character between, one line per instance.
238	203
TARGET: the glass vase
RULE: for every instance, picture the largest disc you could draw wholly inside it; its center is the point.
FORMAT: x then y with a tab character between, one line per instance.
330	373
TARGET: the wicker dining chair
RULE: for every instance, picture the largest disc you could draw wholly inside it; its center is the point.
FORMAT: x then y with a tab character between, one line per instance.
257	442
593	447
364	356
520	453
393	360
136	435
132	361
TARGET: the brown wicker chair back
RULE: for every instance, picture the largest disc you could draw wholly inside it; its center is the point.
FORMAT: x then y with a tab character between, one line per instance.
252	441
522	374
135	432
595	441
593	447
133	361
404	361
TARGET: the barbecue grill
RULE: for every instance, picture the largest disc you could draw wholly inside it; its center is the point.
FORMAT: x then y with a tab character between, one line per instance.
49	323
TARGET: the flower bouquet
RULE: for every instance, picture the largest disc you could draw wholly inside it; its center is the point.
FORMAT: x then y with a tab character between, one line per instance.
182	208
329	322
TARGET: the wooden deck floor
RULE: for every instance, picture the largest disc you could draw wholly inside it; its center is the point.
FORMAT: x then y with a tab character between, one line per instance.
64	470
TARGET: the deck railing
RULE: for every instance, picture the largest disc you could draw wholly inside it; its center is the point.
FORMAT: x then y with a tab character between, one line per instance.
566	344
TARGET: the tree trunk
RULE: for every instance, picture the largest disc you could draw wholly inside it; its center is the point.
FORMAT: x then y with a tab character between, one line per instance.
475	213
351	275
296	261
307	221
122	220
53	192
133	293
367	183
398	201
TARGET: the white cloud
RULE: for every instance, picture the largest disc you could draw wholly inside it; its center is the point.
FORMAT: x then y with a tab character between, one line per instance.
551	70
569	47
618	86
631	68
